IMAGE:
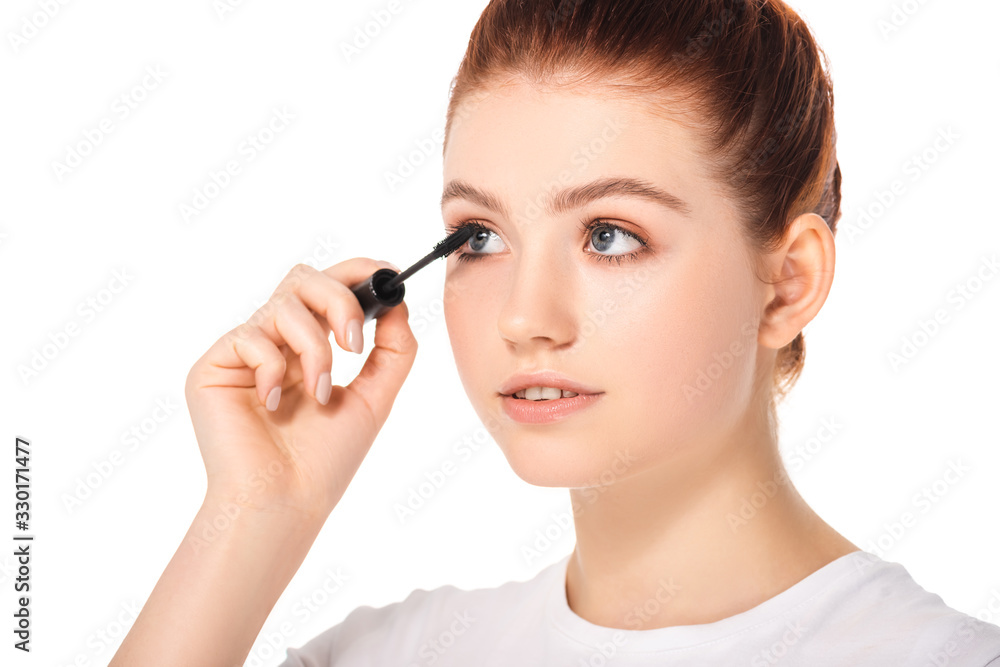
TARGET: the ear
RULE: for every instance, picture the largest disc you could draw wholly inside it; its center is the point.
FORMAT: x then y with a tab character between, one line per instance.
801	271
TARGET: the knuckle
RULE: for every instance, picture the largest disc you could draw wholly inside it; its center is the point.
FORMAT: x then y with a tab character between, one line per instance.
265	311
280	296
295	276
243	332
283	307
279	363
189	380
339	310
298	273
319	350
323	323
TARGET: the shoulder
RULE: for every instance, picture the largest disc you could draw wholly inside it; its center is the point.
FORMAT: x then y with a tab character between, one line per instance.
413	628
880	609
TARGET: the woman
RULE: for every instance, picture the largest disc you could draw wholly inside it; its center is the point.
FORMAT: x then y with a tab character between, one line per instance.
655	190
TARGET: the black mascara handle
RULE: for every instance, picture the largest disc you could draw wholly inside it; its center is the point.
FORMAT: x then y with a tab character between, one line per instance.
373	296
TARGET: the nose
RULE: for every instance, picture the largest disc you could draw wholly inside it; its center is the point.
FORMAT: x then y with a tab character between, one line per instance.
539	310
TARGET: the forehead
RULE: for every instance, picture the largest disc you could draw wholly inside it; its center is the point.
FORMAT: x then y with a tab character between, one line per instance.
520	139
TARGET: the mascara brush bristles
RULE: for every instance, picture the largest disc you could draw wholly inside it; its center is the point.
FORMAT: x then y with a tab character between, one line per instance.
453	242
449	245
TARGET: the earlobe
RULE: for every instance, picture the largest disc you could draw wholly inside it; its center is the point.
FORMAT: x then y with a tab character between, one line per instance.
802	273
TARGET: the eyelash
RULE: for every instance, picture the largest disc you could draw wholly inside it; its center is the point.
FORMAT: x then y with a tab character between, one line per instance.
587	226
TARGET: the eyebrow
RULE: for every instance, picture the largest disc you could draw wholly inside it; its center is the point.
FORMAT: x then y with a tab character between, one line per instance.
571	198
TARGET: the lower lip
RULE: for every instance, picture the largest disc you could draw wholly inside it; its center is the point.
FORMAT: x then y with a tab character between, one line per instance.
527	411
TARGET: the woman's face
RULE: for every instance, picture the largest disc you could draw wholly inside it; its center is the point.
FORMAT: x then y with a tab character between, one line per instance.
668	336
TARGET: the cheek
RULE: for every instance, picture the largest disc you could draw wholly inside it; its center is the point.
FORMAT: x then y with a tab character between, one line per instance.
684	342
470	318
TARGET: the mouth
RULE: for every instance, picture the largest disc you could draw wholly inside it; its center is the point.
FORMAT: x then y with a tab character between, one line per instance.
540	395
544	386
528	410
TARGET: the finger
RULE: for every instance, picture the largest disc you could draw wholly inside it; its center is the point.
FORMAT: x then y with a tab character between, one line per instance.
303	299
246	348
387	364
293	324
353	271
262	355
328	294
334	301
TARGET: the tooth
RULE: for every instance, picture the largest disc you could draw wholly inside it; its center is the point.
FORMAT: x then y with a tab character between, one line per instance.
543	393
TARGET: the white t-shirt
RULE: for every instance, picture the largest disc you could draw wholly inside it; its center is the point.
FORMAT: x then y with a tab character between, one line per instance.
858	610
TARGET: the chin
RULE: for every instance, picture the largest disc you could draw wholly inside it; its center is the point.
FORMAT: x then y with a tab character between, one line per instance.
548	469
581	451
570	458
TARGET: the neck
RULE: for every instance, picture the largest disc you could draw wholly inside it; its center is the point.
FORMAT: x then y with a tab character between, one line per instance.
695	541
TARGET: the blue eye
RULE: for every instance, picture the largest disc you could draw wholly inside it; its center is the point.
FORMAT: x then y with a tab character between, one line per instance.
604	235
607	235
480	239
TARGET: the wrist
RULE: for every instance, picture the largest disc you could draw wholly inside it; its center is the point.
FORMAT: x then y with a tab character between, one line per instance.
223	506
227	524
203	595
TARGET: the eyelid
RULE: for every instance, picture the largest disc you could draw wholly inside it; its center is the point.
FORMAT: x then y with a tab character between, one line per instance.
455	226
468	222
587	225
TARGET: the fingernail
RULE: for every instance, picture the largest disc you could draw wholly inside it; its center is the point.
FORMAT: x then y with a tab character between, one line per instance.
323	388
272	399
354	336
389	265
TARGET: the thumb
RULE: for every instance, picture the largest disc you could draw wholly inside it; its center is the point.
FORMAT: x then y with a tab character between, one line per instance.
387	364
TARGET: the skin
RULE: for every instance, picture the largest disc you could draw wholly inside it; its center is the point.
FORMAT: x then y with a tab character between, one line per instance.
658	467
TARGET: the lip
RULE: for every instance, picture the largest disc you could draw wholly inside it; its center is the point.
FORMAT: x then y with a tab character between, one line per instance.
527	411
520	381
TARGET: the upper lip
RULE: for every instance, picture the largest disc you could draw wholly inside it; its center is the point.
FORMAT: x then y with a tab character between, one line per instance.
516	383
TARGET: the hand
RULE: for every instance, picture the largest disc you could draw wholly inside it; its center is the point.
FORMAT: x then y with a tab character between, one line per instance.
302	455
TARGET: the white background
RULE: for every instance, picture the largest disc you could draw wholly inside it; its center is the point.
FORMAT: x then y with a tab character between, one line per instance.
321	183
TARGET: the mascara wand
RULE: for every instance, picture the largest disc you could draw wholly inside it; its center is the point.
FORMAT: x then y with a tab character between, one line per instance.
384	289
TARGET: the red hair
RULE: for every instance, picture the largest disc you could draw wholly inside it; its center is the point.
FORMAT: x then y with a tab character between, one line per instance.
749	70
